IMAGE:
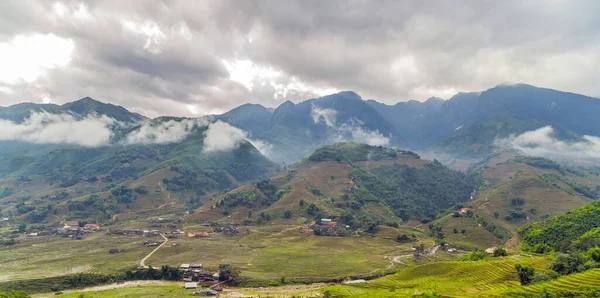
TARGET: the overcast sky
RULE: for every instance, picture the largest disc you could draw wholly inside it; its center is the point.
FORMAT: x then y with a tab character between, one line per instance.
190	58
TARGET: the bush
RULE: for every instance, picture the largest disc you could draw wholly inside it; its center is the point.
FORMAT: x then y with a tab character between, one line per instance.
547	294
141	189
500	252
525	274
567	263
475	256
545	276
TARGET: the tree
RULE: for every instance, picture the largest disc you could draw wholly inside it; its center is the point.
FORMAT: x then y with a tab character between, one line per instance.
403	238
594	253
22	228
81	223
301	203
287	214
496	214
469	213
141	189
224	272
567	263
455	231
463	231
525	274
500	252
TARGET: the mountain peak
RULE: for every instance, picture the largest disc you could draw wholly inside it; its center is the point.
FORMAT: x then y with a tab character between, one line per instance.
349	95
88	105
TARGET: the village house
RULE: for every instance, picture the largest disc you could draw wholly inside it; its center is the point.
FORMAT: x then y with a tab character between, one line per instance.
190	285
198	234
326	221
126	232
91	227
307	230
149	233
463	211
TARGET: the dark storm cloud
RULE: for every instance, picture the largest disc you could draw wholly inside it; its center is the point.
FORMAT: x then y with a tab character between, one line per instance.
175	57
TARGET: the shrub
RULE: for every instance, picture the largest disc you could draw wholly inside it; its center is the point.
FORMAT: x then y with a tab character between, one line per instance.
525	274
500	252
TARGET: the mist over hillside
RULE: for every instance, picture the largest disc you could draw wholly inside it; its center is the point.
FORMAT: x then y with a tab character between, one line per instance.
535	121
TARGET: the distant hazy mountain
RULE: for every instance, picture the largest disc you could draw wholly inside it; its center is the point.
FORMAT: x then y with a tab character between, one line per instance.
80	108
475	119
295	130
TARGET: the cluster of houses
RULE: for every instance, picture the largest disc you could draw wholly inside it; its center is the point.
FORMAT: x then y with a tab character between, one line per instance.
194	272
125	232
77	233
325	227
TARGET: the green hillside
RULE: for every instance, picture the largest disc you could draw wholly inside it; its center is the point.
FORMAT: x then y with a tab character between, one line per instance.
515	191
578	229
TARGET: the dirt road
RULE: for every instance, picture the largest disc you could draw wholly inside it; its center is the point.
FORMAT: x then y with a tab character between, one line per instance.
143	261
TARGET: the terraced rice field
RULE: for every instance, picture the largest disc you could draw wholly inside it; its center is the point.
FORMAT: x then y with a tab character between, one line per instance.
455	279
574	283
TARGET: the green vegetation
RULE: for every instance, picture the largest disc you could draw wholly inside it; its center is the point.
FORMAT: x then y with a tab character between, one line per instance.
14	294
352	152
525	274
413	193
576	229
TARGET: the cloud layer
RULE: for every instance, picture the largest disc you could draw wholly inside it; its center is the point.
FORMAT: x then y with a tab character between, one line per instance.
190	58
165	132
541	142
352	130
96	131
221	136
46	128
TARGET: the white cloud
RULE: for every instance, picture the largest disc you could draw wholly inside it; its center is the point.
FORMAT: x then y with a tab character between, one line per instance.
541	142
166	132
46	128
221	136
263	147
352	130
328	115
361	135
25	58
254	76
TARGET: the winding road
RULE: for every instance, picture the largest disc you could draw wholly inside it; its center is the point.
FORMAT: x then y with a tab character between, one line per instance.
143	261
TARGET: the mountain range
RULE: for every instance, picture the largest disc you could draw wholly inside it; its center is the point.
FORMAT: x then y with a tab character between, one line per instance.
467	124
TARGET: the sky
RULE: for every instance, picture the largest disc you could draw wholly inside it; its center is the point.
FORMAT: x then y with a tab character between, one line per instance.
192	58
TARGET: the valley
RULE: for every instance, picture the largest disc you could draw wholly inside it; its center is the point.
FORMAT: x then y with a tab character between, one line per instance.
339	218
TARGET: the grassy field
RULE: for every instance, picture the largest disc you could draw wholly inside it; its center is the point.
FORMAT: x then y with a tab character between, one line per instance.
47	256
262	253
272	252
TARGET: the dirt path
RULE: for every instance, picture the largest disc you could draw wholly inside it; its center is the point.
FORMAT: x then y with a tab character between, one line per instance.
136	283
143	261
